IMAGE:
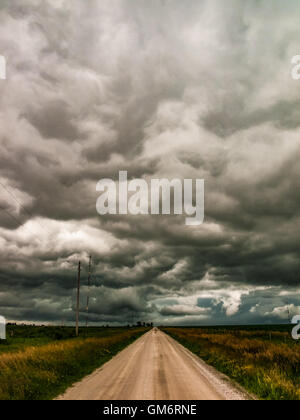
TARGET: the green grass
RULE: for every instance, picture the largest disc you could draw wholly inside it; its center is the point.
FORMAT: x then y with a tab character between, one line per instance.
264	360
21	337
34	365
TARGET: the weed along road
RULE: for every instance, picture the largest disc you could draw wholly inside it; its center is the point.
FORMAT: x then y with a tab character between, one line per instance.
155	367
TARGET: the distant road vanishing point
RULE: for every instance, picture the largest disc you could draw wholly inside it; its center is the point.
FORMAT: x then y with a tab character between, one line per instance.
155	367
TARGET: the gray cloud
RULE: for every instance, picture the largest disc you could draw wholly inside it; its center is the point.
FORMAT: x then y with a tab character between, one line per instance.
188	89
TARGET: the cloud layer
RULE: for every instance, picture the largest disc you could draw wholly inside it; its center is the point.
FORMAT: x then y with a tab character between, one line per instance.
162	89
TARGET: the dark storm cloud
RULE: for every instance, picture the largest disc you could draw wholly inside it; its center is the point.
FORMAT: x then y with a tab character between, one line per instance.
231	119
162	89
54	121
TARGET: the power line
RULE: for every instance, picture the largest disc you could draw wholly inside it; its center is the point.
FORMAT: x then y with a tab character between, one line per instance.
88	294
18	221
21	205
11	216
78	300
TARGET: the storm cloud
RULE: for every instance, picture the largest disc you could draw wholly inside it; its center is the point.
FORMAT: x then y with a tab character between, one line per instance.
162	89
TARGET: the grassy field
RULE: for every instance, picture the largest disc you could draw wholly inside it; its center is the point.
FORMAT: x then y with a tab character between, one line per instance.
264	360
20	337
39	363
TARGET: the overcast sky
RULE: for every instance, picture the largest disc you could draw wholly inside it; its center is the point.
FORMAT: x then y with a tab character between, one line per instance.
161	88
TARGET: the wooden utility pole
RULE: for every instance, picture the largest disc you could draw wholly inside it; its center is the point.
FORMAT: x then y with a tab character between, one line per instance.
88	294
289	314
78	300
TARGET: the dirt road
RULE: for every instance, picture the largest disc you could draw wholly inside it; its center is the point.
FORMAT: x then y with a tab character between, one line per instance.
155	367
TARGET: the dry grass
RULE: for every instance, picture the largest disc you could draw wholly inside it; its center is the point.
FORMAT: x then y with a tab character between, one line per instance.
46	371
269	369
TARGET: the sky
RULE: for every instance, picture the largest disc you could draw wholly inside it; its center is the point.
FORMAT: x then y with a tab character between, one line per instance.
188	89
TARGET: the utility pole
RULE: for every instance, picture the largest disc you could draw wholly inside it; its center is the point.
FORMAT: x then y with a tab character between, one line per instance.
78	300
289	314
88	294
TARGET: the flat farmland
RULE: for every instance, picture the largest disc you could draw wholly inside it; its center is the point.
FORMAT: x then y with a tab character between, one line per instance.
38	363
264	360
